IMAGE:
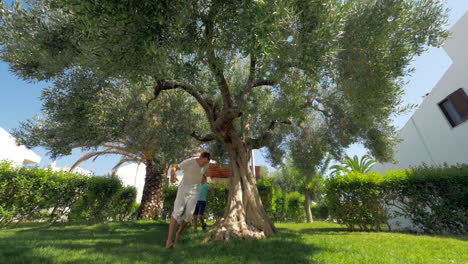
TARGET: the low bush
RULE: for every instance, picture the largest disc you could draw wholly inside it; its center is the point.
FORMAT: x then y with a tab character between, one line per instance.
434	199
44	195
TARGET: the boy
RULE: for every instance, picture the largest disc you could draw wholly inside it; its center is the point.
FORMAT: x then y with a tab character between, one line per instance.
201	205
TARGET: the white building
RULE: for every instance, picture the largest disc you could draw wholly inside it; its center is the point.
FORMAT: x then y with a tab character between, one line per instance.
18	154
79	170
133	175
437	133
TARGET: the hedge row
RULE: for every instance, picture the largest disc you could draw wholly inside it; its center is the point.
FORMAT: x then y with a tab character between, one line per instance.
280	206
46	195
434	199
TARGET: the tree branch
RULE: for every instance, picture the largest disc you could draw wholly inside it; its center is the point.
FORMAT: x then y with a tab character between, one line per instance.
226	116
213	61
172	84
251	82
257	83
263	139
206	138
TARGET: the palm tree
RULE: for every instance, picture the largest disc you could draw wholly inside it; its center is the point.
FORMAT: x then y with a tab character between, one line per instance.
111	117
155	137
354	164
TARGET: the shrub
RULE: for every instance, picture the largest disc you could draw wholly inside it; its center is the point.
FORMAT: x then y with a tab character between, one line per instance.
295	206
279	205
125	206
319	211
37	194
217	204
105	199
46	195
170	194
434	199
355	199
265	190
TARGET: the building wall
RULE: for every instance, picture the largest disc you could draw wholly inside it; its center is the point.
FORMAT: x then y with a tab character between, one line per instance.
428	137
18	154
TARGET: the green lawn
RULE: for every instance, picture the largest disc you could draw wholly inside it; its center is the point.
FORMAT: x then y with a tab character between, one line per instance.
143	242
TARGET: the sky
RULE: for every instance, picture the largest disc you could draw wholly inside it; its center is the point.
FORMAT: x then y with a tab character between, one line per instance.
19	99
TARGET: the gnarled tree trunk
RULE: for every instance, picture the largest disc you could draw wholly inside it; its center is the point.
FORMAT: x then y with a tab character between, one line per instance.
244	217
151	206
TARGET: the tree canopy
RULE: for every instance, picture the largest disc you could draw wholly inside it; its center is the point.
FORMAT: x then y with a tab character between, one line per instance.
342	59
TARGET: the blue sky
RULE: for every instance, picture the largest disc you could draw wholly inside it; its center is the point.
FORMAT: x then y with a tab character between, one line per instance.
19	100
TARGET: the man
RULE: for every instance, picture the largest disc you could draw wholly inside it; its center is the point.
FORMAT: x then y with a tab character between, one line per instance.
201	205
187	194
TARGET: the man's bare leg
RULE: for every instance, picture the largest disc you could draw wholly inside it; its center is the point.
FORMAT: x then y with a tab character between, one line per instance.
172	227
195	223
179	232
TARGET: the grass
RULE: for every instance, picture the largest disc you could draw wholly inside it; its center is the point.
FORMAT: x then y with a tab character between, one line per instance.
143	242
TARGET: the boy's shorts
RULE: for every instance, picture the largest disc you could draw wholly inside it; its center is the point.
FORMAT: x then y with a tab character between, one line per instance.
200	208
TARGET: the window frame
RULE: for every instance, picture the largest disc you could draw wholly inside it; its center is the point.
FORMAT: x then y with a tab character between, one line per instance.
447	115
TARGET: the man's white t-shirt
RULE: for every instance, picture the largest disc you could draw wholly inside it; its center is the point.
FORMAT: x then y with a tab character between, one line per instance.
193	173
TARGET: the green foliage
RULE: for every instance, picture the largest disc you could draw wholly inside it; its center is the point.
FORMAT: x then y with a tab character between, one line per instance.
85	110
104	200
33	193
169	194
320	211
354	164
280	206
46	195
308	55
355	199
289	178
295	206
124	206
434	199
217	203
265	189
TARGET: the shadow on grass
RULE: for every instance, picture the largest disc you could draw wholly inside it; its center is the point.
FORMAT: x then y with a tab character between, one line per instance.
325	230
144	243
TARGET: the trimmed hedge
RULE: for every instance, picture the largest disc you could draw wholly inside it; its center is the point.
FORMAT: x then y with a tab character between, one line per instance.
434	199
356	200
105	199
44	195
279	206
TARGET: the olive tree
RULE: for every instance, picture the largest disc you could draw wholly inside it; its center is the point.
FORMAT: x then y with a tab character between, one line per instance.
255	67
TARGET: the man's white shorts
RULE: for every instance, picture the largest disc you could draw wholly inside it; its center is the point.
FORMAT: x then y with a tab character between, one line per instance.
185	202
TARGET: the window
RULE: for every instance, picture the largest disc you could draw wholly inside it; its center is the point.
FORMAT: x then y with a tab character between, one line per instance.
455	107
